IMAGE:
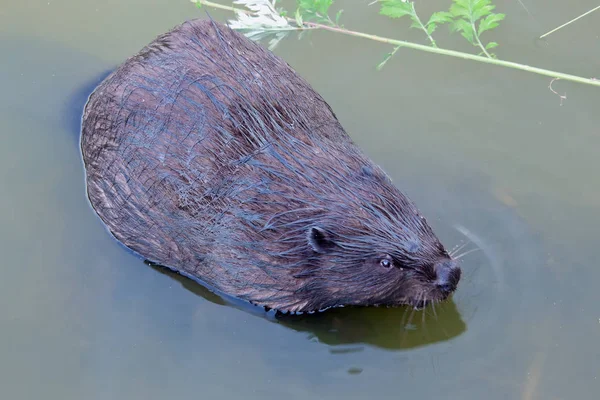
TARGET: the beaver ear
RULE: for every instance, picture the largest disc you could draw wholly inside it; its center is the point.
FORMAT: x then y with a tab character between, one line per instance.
319	239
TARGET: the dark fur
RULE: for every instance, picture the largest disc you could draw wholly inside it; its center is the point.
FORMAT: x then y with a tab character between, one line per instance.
208	154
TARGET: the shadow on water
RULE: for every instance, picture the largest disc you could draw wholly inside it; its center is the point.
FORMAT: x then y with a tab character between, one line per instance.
464	211
388	328
505	258
74	107
64	80
393	328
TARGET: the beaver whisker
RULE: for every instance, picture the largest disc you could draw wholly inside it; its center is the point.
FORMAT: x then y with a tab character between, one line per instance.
458	248
433	308
404	314
458	257
488	251
454	249
410	317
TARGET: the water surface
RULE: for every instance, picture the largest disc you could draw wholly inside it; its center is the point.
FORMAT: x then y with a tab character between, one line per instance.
488	154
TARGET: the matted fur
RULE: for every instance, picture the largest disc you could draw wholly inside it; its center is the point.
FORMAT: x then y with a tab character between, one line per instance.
208	154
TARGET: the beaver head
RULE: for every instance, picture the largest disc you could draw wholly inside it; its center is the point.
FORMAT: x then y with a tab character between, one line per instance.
313	223
352	239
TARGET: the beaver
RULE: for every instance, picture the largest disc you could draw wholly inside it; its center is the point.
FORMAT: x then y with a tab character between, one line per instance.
207	154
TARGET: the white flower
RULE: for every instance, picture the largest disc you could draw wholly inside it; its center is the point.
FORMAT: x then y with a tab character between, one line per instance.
264	16
264	21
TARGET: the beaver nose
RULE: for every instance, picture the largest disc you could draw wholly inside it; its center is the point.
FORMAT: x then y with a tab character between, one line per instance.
448	275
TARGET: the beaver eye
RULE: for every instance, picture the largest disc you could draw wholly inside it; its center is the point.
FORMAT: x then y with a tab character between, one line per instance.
385	263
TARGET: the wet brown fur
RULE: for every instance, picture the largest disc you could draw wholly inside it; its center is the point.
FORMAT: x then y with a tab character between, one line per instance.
208	154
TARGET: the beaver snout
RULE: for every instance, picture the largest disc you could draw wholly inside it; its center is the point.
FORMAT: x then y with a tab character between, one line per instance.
448	275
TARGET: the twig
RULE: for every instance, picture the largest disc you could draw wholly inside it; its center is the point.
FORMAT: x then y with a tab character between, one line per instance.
416	17
563	97
524	7
429	49
570	22
481	46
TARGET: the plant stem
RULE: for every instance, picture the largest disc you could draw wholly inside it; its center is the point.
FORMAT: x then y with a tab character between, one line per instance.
475	32
479	41
430	49
220	6
417	19
570	22
389	56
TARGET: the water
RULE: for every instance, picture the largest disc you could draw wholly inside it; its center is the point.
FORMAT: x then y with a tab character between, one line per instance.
487	153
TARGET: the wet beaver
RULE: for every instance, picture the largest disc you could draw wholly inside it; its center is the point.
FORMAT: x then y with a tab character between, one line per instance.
207	154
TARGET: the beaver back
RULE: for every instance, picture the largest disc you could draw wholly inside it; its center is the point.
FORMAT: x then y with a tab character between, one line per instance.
208	154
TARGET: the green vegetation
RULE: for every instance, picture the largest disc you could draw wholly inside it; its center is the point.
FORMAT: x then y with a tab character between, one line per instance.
259	19
469	17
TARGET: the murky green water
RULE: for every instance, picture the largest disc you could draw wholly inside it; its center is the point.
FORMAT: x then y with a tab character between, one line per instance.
486	153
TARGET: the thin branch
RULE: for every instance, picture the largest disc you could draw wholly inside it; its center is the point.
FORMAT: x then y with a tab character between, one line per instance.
562	97
416	17
481	46
430	49
570	22
475	33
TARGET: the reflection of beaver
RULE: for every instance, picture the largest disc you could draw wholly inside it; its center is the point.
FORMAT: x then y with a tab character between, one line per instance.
207	154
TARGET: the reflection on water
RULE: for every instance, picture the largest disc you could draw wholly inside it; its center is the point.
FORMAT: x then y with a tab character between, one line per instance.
393	328
71	114
488	155
496	241
389	328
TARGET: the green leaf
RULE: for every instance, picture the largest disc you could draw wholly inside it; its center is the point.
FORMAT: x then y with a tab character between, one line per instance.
481	12
491	45
305	4
322	6
489	22
457	10
469	37
462	3
459	25
465	29
415	24
476	4
385	60
471	10
298	17
315	9
431	28
337	17
440	17
395	8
